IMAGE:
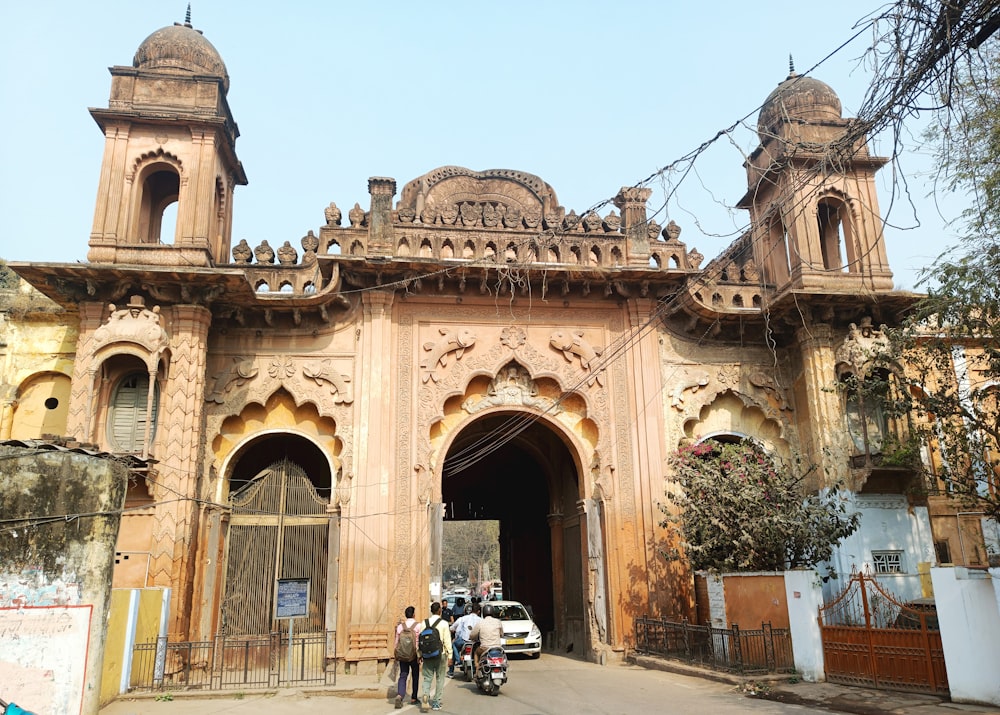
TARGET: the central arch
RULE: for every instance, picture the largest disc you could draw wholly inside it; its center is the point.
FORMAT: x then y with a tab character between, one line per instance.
515	468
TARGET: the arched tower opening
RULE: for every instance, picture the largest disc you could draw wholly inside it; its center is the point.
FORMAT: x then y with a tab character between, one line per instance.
159	188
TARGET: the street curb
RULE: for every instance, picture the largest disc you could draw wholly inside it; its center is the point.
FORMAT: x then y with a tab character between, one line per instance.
684	668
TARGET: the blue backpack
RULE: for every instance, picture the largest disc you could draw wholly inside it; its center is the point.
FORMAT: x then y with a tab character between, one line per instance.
429	640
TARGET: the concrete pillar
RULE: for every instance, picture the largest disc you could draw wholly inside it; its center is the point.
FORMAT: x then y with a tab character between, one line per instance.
805	596
969	615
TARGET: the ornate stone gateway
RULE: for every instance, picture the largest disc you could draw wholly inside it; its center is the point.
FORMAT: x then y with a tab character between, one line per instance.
531	486
278	529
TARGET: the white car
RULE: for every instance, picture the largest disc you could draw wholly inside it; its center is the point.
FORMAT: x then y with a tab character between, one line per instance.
520	634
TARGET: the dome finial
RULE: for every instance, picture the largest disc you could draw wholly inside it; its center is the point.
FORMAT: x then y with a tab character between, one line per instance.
187	17
791	62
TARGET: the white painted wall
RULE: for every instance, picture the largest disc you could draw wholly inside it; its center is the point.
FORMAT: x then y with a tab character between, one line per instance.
716	600
805	595
888	523
968	607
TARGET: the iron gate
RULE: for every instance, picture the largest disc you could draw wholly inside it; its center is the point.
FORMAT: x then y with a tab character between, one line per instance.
871	639
278	528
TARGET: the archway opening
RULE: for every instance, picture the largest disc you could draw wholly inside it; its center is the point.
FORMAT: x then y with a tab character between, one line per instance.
529	484
279	528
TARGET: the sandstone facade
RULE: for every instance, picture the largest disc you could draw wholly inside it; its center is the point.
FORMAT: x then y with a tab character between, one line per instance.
463	347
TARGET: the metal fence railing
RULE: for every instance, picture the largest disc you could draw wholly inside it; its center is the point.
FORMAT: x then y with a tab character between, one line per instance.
234	662
765	650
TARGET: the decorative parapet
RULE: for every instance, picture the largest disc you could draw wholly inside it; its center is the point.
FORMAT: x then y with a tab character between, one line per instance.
500	216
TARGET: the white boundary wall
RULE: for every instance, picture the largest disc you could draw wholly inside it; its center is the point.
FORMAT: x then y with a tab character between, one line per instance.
804	594
968	609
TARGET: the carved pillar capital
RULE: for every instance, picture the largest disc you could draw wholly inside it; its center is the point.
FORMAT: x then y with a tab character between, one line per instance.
815	335
631	201
381	238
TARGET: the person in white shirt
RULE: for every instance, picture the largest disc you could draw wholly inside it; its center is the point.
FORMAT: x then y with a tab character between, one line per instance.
461	628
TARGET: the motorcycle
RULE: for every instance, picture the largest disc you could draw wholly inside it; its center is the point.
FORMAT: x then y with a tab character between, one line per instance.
467	661
492	671
12	709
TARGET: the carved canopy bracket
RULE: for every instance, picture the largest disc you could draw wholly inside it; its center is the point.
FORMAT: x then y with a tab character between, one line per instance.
135	323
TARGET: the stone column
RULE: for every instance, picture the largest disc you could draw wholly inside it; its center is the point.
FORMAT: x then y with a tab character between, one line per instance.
178	447
82	401
6	417
631	201
111	210
381	241
824	430
558	572
366	548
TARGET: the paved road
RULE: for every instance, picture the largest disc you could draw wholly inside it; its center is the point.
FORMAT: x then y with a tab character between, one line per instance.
551	685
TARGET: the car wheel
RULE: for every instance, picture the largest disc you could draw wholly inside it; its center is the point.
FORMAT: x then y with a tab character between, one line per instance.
536	655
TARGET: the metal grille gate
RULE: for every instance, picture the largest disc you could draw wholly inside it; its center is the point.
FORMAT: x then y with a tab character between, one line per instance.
279	528
873	640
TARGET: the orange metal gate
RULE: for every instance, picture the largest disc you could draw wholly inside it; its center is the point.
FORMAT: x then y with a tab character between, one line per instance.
873	640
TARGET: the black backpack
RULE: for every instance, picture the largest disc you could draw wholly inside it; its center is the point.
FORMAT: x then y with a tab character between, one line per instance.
429	641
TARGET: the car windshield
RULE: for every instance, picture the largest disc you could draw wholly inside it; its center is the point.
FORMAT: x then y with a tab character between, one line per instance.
512	612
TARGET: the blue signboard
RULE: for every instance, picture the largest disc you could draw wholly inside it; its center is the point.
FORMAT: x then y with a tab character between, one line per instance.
293	598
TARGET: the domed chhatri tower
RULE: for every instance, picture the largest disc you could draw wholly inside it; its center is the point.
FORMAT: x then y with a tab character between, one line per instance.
169	137
811	195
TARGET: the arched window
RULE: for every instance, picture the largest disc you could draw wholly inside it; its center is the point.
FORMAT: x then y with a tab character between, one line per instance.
865	409
160	188
778	262
128	414
835	237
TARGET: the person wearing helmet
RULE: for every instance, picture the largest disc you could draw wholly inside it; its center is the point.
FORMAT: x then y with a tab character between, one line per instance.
488	631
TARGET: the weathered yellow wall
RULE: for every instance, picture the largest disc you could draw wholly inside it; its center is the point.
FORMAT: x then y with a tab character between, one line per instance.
114	645
35	364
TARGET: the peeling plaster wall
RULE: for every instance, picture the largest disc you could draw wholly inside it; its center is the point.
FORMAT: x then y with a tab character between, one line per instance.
55	575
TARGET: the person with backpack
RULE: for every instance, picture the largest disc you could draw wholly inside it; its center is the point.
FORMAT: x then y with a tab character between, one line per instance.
434	644
405	652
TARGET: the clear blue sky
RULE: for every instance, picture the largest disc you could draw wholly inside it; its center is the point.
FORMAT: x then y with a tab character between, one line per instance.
589	96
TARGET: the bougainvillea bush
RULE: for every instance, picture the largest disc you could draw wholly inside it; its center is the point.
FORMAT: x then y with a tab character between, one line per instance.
740	510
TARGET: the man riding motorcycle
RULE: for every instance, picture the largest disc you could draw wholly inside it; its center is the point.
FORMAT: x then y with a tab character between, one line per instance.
461	629
488	631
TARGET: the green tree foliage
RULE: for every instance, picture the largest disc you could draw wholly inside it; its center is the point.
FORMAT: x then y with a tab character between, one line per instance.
948	394
471	549
739	510
947	355
965	138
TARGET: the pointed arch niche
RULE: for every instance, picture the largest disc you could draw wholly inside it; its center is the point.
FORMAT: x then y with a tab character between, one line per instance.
279	415
513	387
733	414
